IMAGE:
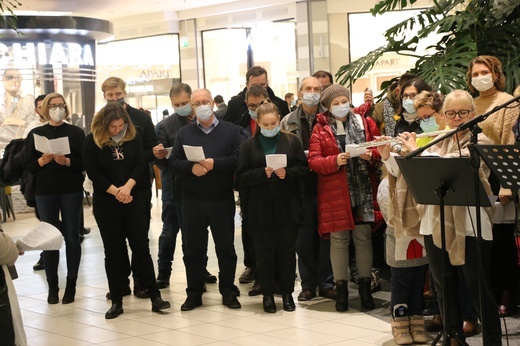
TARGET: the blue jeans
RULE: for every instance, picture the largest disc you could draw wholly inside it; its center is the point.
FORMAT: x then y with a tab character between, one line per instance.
171	225
313	251
70	206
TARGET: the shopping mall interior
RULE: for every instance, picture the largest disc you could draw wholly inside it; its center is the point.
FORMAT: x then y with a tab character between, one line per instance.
71	47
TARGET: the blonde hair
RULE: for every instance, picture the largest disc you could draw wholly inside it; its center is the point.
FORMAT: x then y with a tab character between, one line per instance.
102	120
45	105
113	82
429	99
457	95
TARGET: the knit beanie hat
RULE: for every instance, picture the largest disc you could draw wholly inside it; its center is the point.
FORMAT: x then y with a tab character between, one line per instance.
331	92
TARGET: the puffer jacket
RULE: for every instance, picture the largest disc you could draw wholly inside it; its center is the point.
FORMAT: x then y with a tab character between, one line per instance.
334	207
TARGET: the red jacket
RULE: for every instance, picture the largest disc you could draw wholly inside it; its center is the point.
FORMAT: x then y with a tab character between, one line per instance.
334	208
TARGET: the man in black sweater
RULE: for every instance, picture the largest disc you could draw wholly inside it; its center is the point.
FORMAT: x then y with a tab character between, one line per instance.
167	129
114	90
237	105
208	199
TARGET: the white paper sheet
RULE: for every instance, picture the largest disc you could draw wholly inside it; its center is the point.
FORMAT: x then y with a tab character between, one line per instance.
276	161
59	146
194	154
504	213
43	237
354	150
169	150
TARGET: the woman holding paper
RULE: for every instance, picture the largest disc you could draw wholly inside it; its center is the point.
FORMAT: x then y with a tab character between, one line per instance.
114	160
274	206
59	179
345	195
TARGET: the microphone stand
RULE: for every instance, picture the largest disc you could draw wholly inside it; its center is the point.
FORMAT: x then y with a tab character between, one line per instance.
475	163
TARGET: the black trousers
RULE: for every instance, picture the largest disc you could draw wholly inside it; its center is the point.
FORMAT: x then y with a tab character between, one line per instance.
275	249
197	216
469	273
118	222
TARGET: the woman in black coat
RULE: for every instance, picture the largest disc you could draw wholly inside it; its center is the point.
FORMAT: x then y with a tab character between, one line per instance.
274	206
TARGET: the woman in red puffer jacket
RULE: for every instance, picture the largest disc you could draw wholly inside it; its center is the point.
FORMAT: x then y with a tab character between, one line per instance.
345	196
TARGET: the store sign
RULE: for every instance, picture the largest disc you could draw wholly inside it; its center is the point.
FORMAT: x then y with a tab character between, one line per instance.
56	53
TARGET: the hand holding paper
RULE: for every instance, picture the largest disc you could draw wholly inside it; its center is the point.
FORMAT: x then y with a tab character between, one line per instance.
194	154
52	146
276	161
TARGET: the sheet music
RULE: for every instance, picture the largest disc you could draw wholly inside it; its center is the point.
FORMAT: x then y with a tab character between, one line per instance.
44	237
355	150
276	161
59	146
194	154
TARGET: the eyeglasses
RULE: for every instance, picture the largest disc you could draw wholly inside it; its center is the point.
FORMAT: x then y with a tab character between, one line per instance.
9	77
410	96
203	103
425	118
253	106
60	106
463	113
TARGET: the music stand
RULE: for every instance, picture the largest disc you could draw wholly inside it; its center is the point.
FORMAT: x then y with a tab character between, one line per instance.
443	181
504	161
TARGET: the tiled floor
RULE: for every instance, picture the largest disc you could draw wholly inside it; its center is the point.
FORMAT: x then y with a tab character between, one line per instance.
83	322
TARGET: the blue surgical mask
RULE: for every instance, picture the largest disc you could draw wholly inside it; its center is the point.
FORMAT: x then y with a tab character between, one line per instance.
408	106
252	114
271	132
293	103
340	111
311	99
204	112
429	125
183	111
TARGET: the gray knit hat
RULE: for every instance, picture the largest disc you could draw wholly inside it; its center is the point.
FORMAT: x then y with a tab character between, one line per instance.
331	92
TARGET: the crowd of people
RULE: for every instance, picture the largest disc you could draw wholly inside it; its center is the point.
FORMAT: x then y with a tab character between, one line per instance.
310	178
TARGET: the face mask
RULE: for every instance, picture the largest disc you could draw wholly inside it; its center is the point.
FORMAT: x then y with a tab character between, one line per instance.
57	114
311	99
340	111
252	114
482	83
408	106
183	111
203	112
117	138
270	133
293	103
429	125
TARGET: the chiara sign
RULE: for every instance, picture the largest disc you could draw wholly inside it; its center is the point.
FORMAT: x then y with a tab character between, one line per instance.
54	53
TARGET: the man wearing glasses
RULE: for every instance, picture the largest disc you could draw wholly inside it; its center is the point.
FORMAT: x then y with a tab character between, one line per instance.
207	198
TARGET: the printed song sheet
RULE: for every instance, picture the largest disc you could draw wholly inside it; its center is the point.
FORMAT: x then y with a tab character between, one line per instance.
44	237
194	154
59	146
276	161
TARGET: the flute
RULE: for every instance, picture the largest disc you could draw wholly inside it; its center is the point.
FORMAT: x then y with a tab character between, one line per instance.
376	143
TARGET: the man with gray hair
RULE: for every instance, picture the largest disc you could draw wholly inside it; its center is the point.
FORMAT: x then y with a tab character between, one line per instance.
208	198
313	251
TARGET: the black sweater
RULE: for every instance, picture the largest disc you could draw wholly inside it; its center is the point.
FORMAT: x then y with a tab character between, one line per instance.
53	178
221	145
104	169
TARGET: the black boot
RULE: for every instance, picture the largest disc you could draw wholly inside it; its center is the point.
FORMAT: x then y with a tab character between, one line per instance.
269	305
158	304
53	298
365	294
115	310
163	279
288	302
341	295
70	291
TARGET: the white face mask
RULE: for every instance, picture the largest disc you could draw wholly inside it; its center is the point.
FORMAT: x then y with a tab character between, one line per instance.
311	99
483	83
57	114
340	111
203	112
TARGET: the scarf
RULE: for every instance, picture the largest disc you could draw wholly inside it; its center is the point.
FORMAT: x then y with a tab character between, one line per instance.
455	216
357	169
388	117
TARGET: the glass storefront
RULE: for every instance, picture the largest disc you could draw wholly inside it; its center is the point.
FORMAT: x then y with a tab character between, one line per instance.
271	45
149	66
